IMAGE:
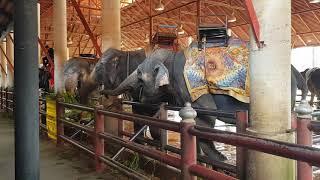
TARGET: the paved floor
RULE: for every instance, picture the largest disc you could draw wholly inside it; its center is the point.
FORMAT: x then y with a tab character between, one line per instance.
55	164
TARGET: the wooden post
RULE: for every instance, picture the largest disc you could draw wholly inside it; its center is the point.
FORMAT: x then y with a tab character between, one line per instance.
99	142
188	142
163	133
242	124
60	125
304	137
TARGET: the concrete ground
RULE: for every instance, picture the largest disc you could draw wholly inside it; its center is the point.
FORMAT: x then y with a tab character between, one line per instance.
55	164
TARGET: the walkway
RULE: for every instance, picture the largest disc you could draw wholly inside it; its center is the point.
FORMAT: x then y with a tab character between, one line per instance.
61	164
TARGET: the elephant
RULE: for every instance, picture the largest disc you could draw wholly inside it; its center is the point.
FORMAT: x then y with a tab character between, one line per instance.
113	68
161	79
83	77
77	78
312	77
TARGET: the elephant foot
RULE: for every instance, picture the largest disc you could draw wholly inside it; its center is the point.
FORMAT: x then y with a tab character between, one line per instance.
213	154
217	156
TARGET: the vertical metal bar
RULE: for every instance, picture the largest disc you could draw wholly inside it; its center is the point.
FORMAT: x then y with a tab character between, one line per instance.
99	142
60	125
304	137
26	90
188	142
242	124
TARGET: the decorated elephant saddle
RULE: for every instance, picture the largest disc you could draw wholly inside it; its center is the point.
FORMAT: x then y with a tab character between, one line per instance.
218	70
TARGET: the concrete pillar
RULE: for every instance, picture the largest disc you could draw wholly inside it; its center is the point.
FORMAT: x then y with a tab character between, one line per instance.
111	37
3	63
60	42
10	53
270	79
111	29
39	33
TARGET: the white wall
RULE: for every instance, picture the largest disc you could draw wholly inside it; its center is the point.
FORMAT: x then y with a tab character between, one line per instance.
305	57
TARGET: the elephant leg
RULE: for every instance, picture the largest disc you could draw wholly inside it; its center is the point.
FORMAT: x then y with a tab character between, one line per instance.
207	147
312	99
154	131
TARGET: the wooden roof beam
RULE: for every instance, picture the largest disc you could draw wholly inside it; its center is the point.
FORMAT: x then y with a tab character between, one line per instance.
86	26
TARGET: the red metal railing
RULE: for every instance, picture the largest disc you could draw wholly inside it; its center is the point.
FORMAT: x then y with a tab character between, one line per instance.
187	162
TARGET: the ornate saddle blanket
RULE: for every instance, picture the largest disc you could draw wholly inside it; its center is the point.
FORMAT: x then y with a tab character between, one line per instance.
218	70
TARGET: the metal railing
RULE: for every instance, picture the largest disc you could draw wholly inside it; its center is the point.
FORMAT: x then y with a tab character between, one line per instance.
303	152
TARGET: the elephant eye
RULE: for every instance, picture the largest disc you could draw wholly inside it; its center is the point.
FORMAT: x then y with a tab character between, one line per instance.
156	70
139	74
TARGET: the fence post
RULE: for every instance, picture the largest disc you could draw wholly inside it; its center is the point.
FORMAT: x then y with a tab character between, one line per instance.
304	137
163	132
59	115
119	107
99	142
188	142
242	124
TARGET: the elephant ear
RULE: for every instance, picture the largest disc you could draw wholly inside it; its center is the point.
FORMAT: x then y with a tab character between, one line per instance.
162	75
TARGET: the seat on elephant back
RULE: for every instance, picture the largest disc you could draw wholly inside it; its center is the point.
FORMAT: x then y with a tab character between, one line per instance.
218	70
214	36
165	37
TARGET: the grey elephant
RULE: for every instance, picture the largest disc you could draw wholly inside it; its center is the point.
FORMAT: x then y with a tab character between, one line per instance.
78	77
161	79
82	77
113	68
312	77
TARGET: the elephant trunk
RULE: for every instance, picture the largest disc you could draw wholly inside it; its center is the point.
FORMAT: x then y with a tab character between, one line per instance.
126	85
88	87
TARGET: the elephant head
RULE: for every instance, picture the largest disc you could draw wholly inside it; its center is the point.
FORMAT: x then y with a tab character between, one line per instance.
149	78
115	66
77	78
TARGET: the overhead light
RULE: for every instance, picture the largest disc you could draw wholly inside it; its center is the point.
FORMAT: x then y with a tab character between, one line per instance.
190	40
229	32
69	42
309	40
180	30
314	1
146	39
159	6
232	18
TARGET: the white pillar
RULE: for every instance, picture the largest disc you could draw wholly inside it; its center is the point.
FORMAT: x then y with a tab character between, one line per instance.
111	38
111	25
10	55
60	42
270	80
39	33
4	64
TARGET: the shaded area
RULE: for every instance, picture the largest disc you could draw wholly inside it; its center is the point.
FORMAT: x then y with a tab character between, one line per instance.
64	163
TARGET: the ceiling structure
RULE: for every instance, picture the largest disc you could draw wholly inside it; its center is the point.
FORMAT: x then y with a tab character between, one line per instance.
135	21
